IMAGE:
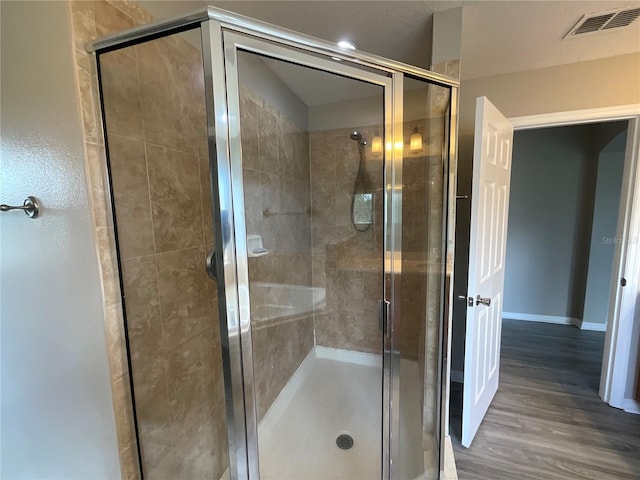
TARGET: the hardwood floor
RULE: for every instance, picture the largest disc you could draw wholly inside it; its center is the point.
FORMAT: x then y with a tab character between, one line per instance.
547	421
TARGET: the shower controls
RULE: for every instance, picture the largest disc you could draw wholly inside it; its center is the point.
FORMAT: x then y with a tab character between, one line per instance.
210	265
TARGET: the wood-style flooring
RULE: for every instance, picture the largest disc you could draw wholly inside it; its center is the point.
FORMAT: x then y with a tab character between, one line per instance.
547	421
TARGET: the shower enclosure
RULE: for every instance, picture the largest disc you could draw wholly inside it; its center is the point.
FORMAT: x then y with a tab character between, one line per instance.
283	213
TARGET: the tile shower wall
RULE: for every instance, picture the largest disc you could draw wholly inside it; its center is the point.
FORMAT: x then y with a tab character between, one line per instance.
275	153
156	128
347	263
154	108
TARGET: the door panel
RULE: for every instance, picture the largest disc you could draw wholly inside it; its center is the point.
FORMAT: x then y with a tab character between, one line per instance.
309	223
489	214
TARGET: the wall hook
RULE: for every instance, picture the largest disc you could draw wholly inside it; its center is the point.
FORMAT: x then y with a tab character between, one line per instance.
31	207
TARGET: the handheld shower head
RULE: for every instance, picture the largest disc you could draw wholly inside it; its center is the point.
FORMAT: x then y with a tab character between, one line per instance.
355	135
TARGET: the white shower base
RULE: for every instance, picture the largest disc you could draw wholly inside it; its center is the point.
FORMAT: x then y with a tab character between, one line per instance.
332	392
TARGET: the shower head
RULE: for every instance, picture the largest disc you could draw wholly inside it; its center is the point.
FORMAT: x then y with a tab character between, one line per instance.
357	136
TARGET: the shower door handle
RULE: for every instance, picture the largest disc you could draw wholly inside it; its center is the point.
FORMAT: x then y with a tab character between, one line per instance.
210	265
383	315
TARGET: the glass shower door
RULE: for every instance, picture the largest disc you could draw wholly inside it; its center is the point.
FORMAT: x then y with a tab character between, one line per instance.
309	213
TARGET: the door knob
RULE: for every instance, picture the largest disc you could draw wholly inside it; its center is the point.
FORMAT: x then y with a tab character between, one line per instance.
483	300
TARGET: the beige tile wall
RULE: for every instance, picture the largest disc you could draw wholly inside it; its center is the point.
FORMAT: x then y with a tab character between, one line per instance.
275	155
154	108
347	263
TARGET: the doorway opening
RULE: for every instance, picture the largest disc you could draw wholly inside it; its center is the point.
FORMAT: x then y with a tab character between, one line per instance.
551	363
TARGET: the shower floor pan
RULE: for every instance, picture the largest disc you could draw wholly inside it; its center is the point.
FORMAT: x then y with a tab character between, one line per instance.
336	392
333	392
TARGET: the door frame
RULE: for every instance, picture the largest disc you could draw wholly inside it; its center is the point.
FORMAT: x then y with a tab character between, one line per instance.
222	34
237	289
616	361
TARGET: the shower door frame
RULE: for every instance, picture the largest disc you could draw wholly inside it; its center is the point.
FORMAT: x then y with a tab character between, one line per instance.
216	26
233	42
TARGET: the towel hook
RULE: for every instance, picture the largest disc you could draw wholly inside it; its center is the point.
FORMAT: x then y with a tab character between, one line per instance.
31	207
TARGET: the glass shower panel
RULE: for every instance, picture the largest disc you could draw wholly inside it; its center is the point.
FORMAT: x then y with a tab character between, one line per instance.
313	195
155	129
417	336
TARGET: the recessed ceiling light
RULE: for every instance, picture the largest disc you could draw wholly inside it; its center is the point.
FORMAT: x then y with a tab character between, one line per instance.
347	45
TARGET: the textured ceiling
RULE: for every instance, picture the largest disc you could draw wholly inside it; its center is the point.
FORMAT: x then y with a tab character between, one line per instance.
503	37
498	36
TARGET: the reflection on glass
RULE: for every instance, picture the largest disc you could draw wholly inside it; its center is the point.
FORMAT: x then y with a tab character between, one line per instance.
417	337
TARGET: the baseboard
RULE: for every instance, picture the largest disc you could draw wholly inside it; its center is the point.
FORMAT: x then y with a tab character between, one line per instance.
457	376
631	406
528	317
448	470
596	327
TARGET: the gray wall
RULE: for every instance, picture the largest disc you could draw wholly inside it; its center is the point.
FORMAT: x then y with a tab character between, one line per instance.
446	36
562	88
550	227
57	415
550	211
603	231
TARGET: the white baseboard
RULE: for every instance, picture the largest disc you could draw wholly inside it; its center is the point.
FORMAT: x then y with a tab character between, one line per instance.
631	406
596	327
449	468
528	317
457	376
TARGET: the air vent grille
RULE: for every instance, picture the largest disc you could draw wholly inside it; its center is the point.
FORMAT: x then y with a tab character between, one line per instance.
593	24
623	19
590	24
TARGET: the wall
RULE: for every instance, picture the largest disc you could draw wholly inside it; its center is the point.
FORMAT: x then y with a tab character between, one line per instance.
57	415
575	86
275	156
446	36
347	263
550	212
603	232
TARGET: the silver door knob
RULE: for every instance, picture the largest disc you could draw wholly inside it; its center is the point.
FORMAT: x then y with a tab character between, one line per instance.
483	300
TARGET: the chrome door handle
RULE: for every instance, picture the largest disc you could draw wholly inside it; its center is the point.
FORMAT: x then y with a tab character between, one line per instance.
210	265
483	300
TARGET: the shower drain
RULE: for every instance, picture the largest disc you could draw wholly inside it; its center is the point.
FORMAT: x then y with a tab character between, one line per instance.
344	442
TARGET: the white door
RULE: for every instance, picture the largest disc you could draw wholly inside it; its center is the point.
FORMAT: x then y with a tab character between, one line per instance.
489	214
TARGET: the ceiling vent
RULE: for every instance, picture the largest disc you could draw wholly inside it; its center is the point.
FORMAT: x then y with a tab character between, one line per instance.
599	22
